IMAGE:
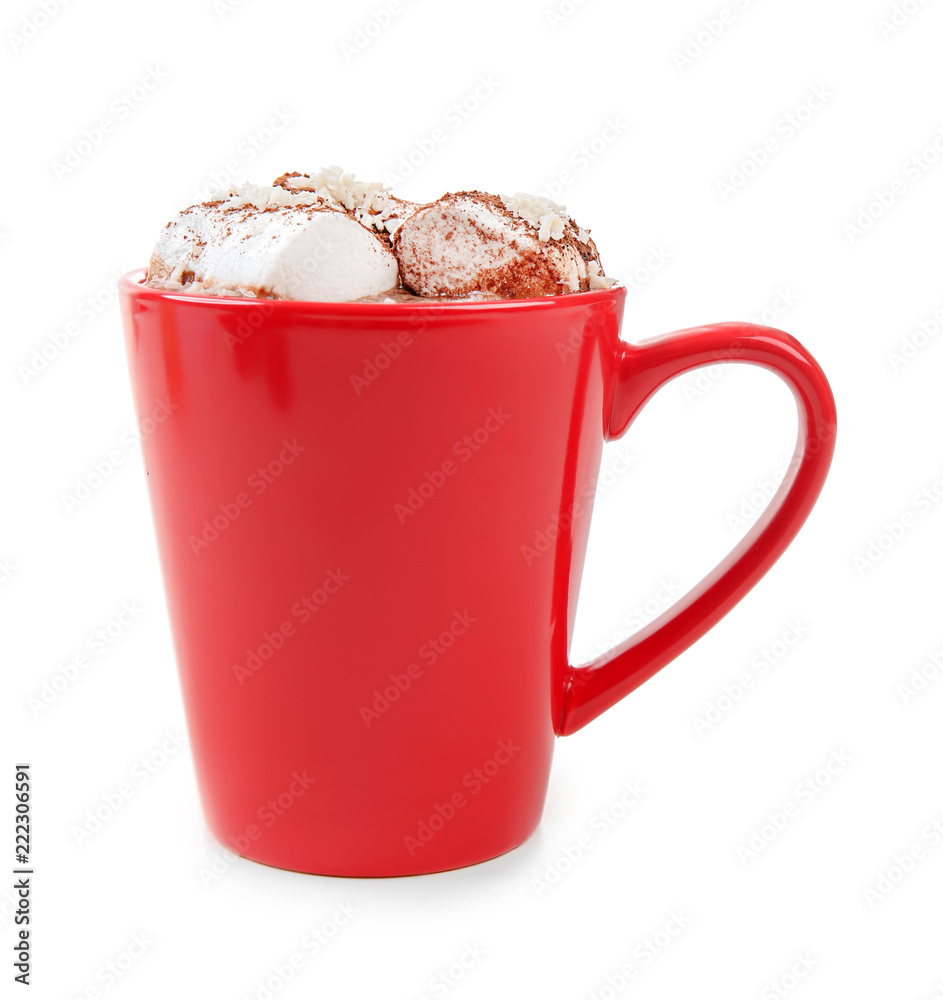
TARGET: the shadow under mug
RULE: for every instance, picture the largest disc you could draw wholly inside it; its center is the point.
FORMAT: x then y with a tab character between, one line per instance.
371	521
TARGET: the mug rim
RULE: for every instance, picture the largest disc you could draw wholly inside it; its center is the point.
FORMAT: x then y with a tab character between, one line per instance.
132	283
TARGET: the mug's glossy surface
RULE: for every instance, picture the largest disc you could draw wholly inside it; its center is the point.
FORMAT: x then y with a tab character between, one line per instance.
372	520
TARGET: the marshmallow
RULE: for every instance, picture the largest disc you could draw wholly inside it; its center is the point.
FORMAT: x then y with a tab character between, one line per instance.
516	247
273	242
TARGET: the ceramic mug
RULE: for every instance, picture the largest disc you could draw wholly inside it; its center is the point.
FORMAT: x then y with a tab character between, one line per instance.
349	499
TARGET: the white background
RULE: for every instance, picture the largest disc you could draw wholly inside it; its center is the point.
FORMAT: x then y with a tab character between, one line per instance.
778	248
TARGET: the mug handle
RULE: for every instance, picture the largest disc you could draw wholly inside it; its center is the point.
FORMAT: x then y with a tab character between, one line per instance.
640	370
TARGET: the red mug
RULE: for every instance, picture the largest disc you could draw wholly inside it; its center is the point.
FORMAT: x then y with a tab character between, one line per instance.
372	651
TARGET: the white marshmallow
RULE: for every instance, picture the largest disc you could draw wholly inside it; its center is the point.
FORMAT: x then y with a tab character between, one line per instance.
273	243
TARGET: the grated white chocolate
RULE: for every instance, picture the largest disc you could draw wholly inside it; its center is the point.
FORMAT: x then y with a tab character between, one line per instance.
546	216
261	197
370	202
596	278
